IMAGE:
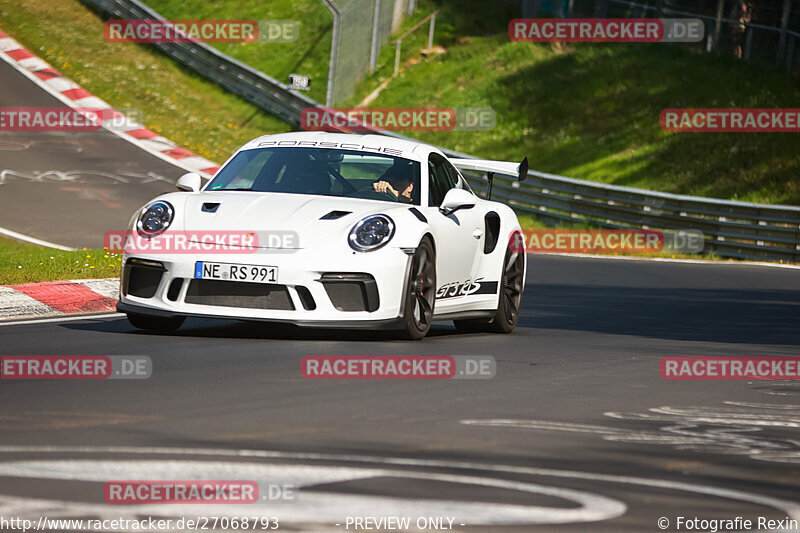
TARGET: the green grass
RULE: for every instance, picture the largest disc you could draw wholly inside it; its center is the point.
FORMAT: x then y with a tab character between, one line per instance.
591	111
586	111
21	263
176	103
307	56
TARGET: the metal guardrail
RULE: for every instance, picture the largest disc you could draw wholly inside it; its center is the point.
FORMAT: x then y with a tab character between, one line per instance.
253	85
733	229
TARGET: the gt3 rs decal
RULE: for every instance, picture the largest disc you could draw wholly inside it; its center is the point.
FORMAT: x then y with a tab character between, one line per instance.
466	288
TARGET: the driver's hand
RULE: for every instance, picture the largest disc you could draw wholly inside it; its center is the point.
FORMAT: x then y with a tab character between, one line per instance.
384	187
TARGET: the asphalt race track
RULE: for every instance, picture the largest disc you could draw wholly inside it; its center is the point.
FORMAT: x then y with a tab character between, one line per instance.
70	188
577	431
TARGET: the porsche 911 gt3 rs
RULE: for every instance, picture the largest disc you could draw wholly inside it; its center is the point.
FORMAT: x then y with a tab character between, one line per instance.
386	233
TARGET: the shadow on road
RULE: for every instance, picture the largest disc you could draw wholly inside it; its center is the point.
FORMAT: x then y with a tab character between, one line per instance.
221	328
725	316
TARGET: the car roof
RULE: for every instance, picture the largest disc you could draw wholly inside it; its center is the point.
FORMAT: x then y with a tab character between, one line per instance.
405	148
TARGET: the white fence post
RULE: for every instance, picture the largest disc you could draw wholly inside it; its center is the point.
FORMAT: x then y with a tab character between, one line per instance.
373	51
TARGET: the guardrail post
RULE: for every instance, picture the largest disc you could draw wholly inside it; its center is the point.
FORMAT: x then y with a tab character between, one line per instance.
430	32
373	49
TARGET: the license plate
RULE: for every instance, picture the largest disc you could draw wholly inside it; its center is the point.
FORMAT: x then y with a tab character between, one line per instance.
236	272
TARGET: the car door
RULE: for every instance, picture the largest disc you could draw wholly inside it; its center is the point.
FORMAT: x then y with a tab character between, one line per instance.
458	236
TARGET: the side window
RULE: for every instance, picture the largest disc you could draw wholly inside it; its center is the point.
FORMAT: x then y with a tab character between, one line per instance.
440	180
456	179
435	196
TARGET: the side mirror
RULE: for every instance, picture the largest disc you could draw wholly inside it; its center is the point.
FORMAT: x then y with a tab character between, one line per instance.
456	199
190	182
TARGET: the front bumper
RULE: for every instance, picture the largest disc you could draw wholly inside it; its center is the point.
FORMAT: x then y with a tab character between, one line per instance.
354	289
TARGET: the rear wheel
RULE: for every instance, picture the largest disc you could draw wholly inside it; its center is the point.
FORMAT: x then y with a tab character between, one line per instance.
155	323
420	292
510	302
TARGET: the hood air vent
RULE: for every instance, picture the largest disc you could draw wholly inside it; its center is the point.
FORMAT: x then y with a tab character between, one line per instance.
333	215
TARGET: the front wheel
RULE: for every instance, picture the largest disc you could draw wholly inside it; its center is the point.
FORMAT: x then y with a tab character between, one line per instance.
155	323
510	302
420	292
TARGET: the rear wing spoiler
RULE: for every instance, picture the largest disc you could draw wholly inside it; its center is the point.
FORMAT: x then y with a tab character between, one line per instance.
520	170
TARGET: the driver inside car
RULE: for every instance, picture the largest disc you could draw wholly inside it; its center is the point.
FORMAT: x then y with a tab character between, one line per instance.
398	181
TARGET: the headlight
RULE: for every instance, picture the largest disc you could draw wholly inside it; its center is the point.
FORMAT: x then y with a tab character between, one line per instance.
371	233
155	218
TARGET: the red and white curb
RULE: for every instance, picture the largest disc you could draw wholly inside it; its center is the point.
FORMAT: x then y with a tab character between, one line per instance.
74	96
58	298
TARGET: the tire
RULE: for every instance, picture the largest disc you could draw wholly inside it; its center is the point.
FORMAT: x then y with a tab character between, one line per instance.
509	302
155	323
420	293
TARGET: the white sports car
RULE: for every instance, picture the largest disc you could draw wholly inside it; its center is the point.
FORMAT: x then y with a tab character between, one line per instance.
360	231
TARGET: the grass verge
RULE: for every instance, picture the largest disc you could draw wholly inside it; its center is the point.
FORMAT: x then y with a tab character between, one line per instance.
21	262
308	55
591	111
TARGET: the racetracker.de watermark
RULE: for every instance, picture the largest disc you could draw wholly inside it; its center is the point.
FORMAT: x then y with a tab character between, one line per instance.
731	120
730	368
607	241
590	30
398	367
75	367
278	31
197	31
207	241
355	119
168	492
141	523
63	118
180	31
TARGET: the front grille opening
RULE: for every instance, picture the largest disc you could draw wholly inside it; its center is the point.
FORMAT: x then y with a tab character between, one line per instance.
351	292
305	298
141	282
174	289
236	294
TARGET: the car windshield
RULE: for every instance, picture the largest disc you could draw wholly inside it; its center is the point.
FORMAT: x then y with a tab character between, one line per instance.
321	171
